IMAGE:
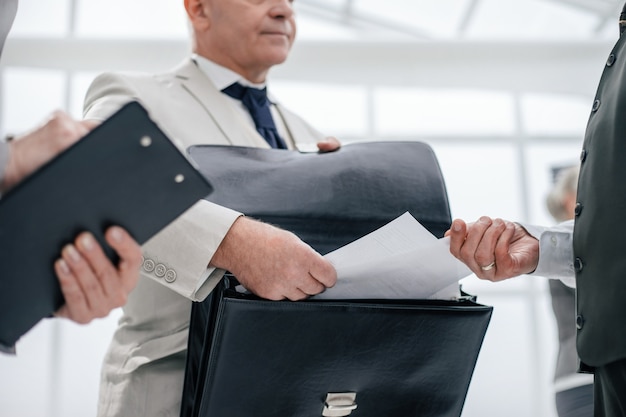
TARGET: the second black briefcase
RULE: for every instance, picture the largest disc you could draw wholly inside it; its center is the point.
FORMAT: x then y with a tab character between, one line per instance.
317	358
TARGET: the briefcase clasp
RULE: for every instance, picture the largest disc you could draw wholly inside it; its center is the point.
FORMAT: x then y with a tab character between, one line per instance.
339	404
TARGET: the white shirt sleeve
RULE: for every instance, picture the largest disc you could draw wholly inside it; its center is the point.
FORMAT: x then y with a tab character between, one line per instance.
556	252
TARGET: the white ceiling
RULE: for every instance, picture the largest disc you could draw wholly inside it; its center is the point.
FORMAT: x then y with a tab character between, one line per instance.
459	20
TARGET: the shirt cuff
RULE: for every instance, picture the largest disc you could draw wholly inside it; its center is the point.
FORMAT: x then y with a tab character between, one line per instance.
556	252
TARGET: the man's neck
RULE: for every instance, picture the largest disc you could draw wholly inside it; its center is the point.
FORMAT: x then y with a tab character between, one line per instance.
222	76
254	76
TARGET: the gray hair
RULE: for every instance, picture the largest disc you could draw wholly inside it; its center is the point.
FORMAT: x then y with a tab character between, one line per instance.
565	183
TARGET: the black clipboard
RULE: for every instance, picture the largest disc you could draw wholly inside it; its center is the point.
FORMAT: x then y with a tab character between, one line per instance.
125	172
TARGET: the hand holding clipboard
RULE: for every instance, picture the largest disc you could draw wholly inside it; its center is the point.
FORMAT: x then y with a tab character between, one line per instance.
125	172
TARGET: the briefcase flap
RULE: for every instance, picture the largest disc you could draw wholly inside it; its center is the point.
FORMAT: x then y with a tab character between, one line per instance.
329	199
394	358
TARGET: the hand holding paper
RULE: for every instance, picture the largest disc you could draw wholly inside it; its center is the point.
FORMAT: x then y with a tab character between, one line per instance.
401	260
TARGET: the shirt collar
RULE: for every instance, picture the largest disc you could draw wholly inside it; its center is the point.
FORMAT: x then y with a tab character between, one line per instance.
221	76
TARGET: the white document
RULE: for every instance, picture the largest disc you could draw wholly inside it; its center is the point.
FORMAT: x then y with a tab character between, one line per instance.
401	260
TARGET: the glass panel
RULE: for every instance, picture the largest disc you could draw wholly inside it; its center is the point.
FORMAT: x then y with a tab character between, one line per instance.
26	382
508	358
546	114
473	173
410	111
531	19
482	179
132	19
82	350
41	18
333	109
609	30
432	18
320	29
30	96
80	84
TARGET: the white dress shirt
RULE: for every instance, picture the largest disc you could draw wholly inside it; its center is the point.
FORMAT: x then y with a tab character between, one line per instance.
556	251
222	77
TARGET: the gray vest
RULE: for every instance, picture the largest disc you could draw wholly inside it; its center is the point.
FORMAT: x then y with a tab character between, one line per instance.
600	227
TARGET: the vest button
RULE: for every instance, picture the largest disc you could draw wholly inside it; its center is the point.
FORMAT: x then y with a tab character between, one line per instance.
578	264
596	106
611	60
583	155
580	321
578	209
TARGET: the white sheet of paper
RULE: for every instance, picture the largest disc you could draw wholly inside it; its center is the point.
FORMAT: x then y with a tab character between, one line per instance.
401	260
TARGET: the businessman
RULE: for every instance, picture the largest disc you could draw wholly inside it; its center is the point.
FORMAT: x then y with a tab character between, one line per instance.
588	252
216	96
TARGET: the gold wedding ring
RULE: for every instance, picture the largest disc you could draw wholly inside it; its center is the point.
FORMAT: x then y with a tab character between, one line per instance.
488	267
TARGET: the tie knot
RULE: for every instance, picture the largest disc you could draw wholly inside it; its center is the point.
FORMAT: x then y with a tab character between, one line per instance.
255	100
247	94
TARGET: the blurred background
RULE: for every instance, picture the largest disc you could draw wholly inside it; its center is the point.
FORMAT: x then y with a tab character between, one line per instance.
501	89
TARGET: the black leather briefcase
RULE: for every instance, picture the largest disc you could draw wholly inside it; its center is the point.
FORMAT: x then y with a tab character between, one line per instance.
249	357
366	358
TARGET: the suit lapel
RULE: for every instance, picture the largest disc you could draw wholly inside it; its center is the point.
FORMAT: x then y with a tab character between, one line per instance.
217	106
298	128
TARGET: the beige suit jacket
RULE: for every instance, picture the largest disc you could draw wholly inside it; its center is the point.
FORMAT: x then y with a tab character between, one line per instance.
143	370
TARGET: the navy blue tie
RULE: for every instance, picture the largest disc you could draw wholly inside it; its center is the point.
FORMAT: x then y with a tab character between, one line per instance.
255	100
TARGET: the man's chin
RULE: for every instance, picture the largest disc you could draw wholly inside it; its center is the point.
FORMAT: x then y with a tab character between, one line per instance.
277	56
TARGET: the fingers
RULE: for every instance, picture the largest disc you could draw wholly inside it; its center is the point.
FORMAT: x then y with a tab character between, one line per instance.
61	130
33	149
494	249
323	272
91	284
475	245
457	234
329	144
485	251
79	284
129	253
72	293
89	124
501	251
305	272
273	263
99	277
296	294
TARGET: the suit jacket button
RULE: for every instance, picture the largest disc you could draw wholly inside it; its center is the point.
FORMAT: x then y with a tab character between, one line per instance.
579	321
583	155
611	60
159	270
148	265
578	209
578	264
170	276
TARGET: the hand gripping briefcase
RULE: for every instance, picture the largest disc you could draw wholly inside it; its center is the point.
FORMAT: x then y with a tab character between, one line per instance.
249	357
